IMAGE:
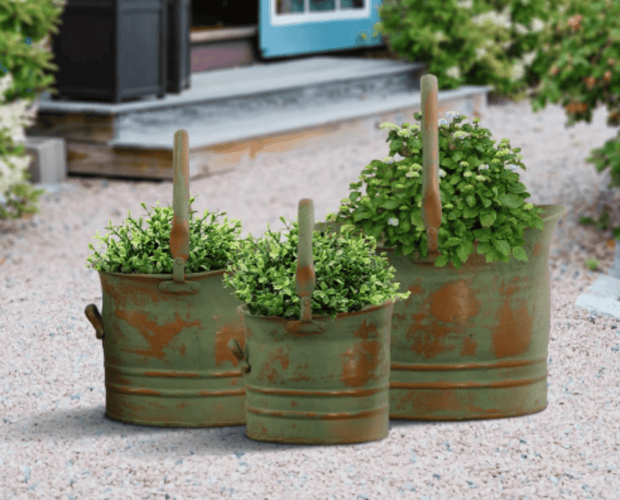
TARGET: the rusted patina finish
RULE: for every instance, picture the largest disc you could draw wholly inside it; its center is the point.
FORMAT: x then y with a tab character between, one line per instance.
317	380
165	338
472	343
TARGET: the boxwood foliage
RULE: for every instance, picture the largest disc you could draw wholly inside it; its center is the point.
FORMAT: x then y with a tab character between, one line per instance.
147	251
349	274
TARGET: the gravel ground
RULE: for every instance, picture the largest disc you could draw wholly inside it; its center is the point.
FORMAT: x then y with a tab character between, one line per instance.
57	443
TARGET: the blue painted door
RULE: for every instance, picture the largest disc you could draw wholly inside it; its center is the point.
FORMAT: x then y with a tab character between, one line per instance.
289	27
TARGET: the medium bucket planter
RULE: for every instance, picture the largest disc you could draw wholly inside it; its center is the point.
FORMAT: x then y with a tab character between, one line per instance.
469	343
317	380
165	337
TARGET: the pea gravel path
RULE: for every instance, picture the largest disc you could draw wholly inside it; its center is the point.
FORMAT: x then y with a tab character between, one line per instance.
57	444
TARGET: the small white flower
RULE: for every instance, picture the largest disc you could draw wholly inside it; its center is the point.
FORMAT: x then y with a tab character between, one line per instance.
465	4
453	114
480	178
454	72
443	121
460	134
440	36
442	172
529	58
412	174
388	126
388	159
528	206
480	53
484	167
393	222
537	25
403	133
519	28
501	19
517	72
511	167
467	174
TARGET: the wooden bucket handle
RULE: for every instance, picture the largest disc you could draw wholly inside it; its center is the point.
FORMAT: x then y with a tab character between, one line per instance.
305	279
179	234
431	198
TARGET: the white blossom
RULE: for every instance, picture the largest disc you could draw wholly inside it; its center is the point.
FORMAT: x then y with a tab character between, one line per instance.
501	19
440	36
537	25
454	72
529	58
465	4
519	28
517	72
13	117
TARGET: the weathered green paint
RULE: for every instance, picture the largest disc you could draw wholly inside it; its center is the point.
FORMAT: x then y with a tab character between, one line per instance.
317	380
165	341
472	343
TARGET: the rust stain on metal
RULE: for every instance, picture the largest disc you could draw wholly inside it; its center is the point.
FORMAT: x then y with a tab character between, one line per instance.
307	276
360	361
269	371
157	335
454	302
436	402
113	377
225	333
171	374
300	374
469	347
513	333
179	232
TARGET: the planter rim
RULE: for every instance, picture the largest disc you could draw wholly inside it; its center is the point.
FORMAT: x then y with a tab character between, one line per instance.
160	277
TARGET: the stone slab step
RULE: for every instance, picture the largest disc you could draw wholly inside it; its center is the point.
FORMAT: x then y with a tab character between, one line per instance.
603	297
231	115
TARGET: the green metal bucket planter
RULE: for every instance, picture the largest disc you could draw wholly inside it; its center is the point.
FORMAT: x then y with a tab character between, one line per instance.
469	343
317	380
165	338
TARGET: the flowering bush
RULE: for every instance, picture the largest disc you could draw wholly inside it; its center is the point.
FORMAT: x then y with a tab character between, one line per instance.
15	194
583	70
469	41
24	26
349	274
148	251
482	198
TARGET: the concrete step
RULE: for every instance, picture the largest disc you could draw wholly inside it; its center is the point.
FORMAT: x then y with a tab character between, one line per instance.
233	114
603	297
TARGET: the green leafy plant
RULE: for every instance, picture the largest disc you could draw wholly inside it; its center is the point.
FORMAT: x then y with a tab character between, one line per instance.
474	42
583	70
147	251
15	195
482	198
23	59
592	264
349	274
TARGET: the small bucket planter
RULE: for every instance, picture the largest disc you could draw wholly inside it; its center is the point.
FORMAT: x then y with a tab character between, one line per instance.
468	343
165	338
322	379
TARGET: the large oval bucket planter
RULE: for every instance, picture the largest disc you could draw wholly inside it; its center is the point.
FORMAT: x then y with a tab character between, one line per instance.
318	380
472	343
165	338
